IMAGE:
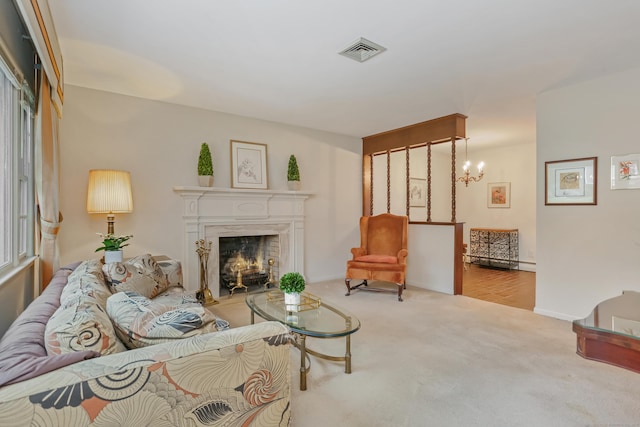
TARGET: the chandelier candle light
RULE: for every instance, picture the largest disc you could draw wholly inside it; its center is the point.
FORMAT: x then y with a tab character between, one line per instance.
466	177
204	294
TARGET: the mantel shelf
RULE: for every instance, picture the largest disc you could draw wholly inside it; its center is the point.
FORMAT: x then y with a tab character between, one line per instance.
246	191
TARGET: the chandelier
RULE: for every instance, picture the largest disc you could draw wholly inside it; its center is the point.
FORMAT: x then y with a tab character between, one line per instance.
466	177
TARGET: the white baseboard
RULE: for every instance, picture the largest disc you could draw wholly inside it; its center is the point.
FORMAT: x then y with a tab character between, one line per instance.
527	267
554	314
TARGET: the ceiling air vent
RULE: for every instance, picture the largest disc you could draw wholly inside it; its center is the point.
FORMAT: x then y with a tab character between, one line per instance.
362	50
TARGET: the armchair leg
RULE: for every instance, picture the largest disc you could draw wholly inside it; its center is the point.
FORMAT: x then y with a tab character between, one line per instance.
350	288
400	287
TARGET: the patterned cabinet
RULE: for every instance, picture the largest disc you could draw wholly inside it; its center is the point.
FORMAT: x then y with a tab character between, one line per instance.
494	248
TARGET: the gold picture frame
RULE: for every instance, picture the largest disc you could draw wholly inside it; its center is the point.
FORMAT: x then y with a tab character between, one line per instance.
249	165
571	182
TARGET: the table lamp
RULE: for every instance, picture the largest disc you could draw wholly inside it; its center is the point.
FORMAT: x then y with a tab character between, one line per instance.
109	192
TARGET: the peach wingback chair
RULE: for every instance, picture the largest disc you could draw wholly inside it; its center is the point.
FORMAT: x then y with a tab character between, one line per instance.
382	254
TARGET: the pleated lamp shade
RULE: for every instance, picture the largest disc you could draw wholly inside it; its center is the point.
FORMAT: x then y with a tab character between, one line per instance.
109	192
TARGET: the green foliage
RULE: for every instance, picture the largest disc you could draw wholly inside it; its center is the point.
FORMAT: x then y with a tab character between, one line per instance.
205	165
111	242
293	174
292	282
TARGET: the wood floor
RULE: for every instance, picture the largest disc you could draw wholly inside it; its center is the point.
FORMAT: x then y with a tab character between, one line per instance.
513	288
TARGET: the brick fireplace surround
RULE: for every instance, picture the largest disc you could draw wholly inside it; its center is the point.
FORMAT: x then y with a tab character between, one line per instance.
210	213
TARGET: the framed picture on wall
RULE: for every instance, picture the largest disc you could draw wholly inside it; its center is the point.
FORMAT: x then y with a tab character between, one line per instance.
417	192
571	182
625	172
499	195
248	165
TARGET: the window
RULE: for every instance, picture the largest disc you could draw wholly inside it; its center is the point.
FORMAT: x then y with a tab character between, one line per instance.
16	161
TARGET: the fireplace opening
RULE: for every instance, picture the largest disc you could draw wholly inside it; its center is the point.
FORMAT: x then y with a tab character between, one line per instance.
248	263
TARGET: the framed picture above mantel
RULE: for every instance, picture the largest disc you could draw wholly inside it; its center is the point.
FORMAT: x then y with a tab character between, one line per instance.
248	165
571	182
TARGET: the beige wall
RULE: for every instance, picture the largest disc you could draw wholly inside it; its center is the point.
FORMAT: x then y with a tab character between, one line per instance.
587	254
159	144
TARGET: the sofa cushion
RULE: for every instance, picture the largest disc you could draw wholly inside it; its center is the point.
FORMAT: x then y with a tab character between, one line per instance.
172	269
140	321
83	325
380	259
81	322
177	296
86	280
141	274
22	351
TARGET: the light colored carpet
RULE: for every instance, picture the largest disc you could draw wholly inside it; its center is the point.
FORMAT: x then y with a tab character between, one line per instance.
441	360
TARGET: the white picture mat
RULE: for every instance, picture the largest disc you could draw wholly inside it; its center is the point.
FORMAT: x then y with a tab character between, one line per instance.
248	165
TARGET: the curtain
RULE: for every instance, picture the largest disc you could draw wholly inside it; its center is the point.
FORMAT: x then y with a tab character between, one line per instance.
47	166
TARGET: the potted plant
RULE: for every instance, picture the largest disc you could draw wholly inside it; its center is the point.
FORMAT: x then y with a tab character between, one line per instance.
293	174
112	246
205	166
292	284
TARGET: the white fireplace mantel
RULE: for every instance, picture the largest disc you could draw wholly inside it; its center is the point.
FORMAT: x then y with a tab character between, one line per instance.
211	212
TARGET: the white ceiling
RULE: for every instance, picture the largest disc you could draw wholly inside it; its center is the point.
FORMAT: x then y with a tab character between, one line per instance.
278	59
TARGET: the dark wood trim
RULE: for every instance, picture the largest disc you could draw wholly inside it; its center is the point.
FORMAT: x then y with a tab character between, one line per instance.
435	130
431	223
458	266
367	185
47	41
453	179
441	130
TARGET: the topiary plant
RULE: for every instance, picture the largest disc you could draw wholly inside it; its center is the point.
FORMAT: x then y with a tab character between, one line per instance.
292	282
293	174
205	165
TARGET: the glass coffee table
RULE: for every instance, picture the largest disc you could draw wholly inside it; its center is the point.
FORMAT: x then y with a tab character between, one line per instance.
319	320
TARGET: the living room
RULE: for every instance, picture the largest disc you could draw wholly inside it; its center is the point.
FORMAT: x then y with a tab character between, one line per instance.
582	255
159	141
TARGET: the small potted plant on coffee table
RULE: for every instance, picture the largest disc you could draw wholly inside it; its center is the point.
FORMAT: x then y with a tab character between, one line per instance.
292	284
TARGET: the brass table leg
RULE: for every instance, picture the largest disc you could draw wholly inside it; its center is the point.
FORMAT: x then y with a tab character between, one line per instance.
303	368
347	356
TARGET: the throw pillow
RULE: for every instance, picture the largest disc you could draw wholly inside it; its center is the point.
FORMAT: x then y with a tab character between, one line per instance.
88	275
141	322
172	270
141	275
87	288
80	327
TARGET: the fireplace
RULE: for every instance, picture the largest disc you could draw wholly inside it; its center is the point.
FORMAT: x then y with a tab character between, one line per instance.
248	263
216	214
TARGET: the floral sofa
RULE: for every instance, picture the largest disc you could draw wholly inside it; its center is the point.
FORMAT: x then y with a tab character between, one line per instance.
124	372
